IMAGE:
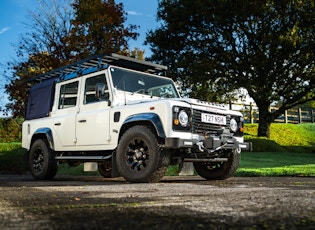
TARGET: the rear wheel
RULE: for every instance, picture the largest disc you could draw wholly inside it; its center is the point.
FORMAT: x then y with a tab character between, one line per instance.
42	163
139	158
219	170
105	169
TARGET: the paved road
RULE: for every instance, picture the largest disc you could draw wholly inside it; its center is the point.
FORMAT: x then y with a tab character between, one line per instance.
174	203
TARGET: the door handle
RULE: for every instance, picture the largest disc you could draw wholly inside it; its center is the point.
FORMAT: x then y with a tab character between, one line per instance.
82	121
58	123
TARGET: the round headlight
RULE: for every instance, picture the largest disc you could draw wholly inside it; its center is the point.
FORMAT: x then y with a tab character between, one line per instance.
233	125
183	118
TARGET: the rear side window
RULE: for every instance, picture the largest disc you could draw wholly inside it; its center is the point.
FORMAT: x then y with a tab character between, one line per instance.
68	95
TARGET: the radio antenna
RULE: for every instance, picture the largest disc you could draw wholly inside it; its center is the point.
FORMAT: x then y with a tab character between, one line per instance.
125	92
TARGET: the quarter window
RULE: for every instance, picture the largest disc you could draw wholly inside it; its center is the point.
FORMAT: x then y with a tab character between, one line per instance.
68	95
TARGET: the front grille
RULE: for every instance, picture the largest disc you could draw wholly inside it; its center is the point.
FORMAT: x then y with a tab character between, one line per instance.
200	127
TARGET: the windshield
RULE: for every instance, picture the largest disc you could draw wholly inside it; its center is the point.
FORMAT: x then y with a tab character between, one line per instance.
142	83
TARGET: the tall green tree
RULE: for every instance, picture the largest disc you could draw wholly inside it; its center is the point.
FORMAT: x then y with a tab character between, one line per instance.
62	32
267	47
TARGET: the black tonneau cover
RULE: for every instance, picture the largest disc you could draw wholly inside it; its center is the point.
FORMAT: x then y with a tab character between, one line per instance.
40	99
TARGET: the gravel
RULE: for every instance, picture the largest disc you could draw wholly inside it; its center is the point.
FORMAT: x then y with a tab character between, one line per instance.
174	203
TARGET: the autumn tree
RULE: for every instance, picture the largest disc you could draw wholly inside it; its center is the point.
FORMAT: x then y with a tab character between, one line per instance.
136	53
267	47
98	27
43	48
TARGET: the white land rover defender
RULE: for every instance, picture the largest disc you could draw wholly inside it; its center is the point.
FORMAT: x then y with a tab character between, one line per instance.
122	115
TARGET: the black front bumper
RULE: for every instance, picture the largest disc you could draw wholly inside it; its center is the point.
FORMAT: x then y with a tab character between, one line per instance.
215	142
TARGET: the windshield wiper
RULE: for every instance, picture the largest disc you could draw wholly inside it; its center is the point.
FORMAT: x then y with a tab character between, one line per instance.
140	91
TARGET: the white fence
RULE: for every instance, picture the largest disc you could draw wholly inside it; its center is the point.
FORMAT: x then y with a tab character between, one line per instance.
251	114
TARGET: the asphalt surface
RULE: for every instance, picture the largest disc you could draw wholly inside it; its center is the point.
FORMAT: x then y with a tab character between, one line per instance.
174	203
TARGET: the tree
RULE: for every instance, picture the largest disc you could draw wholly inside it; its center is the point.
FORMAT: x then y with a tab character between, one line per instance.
267	47
60	34
136	53
41	49
98	27
17	88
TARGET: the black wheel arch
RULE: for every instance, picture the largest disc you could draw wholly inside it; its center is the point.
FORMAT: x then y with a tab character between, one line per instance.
150	120
45	134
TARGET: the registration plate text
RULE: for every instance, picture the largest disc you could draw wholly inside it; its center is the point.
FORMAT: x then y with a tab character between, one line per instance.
213	119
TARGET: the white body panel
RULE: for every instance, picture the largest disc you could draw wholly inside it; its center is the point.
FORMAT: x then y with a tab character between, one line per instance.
90	127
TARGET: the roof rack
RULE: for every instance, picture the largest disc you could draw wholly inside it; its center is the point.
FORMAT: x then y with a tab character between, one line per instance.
98	62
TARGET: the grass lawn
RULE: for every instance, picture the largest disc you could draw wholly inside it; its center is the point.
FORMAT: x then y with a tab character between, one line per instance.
289	152
283	138
252	163
276	164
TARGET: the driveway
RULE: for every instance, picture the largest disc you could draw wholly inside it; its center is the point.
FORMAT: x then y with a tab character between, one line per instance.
174	203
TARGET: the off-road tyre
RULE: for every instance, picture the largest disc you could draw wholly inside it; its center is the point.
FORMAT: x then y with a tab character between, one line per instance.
42	163
139	158
219	170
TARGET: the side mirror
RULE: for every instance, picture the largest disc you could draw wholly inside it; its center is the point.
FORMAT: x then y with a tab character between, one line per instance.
100	91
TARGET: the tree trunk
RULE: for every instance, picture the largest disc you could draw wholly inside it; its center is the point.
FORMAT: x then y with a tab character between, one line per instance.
265	119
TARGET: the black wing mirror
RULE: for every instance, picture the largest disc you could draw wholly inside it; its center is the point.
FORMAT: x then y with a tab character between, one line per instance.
100	91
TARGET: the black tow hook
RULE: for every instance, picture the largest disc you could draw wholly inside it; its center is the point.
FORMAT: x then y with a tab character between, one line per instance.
202	148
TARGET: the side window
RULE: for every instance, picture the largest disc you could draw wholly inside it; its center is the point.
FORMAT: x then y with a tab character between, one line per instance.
89	92
68	95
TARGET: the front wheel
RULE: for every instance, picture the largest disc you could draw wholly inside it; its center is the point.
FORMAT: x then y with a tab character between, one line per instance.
138	156
42	163
219	170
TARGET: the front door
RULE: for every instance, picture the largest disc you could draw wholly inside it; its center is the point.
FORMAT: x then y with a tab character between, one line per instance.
92	125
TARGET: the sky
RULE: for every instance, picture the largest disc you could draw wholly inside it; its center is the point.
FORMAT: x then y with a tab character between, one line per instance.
13	15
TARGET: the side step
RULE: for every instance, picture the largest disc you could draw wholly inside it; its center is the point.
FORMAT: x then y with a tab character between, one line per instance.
84	158
205	160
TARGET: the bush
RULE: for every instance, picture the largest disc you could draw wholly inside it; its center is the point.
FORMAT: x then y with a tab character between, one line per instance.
10	130
12	158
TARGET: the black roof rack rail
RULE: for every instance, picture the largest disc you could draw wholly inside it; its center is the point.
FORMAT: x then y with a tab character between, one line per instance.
98	62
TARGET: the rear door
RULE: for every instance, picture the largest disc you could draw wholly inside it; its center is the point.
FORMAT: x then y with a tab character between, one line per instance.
67	110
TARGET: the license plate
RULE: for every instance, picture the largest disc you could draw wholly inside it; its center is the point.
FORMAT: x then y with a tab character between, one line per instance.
213	119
